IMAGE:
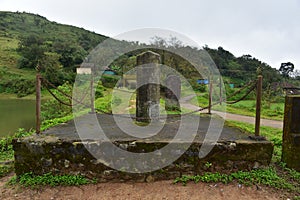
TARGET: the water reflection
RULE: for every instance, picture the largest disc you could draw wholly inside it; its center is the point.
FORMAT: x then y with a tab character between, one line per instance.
16	113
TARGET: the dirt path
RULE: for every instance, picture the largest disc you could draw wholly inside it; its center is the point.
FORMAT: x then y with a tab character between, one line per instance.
229	116
154	190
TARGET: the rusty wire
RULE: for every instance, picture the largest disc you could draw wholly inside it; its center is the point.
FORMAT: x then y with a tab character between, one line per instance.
46	83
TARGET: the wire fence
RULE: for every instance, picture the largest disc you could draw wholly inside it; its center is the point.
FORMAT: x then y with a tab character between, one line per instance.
251	86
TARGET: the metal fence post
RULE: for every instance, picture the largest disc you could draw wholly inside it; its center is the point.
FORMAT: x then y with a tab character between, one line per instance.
92	94
38	103
258	105
220	84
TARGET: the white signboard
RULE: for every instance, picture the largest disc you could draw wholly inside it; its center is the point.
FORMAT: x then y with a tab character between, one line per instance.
84	71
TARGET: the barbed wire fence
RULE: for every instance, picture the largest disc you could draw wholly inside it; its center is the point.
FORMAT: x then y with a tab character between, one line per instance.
250	87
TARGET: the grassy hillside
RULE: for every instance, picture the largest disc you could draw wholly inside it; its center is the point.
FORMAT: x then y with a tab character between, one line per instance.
28	40
16	27
8	54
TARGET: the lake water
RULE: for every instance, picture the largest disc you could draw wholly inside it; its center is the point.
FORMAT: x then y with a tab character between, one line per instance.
15	114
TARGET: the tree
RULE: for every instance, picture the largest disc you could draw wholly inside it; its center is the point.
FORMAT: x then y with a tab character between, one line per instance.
286	68
32	50
52	69
296	74
158	41
71	54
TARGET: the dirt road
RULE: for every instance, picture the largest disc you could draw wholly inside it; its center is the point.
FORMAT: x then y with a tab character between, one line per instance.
154	190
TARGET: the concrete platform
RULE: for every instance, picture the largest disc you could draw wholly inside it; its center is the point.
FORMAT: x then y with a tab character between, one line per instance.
61	150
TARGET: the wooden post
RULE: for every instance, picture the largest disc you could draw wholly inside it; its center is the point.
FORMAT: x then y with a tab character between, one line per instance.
210	95
220	85
123	81
258	105
38	103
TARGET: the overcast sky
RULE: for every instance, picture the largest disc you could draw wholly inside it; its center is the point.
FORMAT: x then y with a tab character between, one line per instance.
266	29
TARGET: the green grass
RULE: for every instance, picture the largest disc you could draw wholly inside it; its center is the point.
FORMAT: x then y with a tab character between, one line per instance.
33	181
267	177
8	63
8	54
277	175
104	103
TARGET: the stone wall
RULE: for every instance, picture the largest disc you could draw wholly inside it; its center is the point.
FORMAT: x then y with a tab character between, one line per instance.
43	154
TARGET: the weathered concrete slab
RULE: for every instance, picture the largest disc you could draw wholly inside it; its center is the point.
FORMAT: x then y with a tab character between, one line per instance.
61	151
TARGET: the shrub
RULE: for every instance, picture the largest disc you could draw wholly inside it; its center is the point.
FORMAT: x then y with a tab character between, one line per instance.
109	81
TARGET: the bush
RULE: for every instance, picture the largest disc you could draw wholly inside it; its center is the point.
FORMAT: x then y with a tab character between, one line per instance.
99	91
21	87
109	81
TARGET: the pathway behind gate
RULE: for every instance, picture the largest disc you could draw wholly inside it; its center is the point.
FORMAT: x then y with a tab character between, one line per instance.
184	102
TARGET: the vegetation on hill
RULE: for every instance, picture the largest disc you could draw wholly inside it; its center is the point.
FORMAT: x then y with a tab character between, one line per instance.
28	40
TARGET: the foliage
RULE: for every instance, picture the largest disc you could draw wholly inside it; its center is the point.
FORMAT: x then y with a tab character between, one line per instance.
293	174
31	180
20	86
241	69
27	40
99	91
276	176
274	110
8	45
32	50
104	103
5	143
267	177
31	39
71	54
6	150
109	81
286	69
16	82
5	169
55	121
53	71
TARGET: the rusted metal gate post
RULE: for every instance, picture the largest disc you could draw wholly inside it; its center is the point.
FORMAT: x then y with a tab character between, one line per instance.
92	93
220	84
258	105
38	103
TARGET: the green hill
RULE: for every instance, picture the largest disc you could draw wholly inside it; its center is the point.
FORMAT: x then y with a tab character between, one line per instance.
28	40
25	36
